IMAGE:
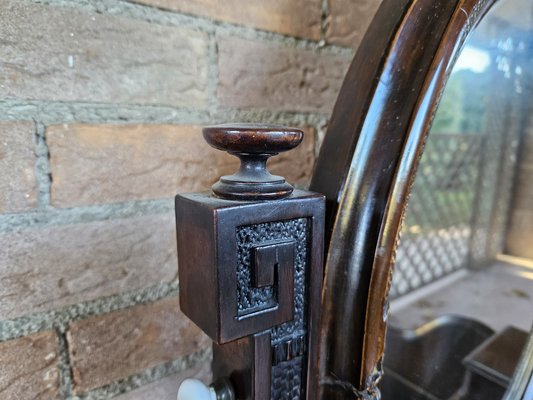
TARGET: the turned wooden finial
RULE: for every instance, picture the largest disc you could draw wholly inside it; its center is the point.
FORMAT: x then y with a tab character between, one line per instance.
253	144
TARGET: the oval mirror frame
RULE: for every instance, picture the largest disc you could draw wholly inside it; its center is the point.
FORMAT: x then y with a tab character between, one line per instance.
366	168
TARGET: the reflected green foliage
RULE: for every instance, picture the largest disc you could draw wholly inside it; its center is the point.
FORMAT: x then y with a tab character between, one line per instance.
457	113
444	189
450	112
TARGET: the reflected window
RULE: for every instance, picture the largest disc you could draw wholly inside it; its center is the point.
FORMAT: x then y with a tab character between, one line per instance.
462	291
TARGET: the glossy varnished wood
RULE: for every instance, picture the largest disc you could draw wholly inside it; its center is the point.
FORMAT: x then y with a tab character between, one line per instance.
251	267
522	382
246	364
253	144
366	167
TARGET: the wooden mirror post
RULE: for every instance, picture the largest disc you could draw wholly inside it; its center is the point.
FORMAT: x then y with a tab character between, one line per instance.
250	268
365	169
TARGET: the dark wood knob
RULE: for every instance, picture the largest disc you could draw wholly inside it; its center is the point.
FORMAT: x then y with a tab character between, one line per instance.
253	144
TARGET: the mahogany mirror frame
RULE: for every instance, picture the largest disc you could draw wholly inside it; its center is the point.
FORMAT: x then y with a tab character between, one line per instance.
366	168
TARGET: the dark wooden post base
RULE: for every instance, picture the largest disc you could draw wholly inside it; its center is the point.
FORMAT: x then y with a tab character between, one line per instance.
250	268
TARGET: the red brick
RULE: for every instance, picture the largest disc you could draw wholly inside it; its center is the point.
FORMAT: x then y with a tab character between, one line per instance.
349	20
28	367
18	187
300	18
49	268
94	164
262	75
117	345
66	54
167	388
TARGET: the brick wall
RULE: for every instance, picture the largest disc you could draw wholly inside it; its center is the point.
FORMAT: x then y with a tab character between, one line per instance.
101	104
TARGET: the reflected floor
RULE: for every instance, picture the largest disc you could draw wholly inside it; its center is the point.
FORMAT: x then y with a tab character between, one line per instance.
461	337
499	295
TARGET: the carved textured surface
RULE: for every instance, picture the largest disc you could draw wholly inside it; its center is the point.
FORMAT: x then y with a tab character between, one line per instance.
287	376
287	380
288	350
250	299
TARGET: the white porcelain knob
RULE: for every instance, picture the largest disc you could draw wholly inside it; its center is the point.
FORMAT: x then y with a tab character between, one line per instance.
194	389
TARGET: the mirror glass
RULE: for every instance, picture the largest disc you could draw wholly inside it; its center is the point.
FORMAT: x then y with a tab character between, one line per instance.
462	292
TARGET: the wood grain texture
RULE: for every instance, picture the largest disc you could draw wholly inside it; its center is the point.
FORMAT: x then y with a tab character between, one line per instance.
366	166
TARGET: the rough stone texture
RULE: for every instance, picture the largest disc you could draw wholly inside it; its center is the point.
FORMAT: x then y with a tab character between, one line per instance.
300	18
49	268
94	164
18	187
261	75
28	368
92	57
349	20
59	62
117	345
167	388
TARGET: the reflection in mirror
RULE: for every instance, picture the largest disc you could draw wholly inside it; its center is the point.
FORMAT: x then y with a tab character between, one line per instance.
462	292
